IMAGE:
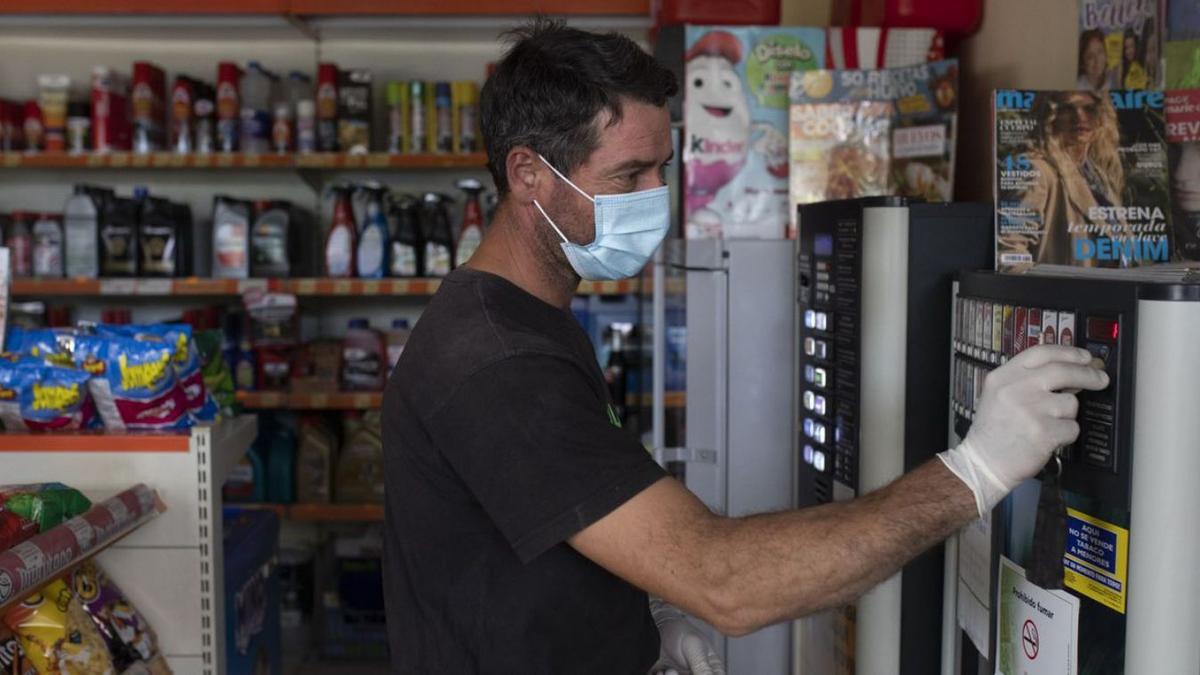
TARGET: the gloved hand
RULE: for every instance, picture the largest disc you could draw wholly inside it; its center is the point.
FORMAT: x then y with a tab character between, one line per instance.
685	648
1027	411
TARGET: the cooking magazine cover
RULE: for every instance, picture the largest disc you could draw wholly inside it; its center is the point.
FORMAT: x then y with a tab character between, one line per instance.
1120	44
735	153
1081	179
1183	135
858	133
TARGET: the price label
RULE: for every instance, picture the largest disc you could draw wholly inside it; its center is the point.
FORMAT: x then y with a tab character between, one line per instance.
319	400
12	159
370	287
225	160
118	286
355	161
251	285
118	160
306	286
202	161
154	287
252	160
378	161
342	287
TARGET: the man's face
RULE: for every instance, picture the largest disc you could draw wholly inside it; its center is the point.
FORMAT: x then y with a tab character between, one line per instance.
1076	119
631	156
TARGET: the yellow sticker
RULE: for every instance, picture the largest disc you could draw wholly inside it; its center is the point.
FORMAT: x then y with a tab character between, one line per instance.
1097	559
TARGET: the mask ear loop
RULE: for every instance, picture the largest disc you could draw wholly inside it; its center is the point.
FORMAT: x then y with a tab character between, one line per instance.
548	220
565	179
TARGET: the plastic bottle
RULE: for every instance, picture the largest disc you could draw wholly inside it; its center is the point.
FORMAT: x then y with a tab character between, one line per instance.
471	232
306	126
444	114
47	246
439	239
281	466
256	109
339	243
247	367
373	238
231	238
363	354
229	106
407	257
81	230
327	104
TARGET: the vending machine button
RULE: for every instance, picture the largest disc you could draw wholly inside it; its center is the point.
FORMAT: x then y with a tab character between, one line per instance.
810	319
810	400
822	321
810	346
808	454
1099	351
819	461
818	433
810	374
819	377
808	428
818	405
822	348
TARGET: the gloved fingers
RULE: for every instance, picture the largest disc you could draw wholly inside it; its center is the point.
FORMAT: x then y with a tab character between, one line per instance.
1041	355
1063	376
1063	432
1063	406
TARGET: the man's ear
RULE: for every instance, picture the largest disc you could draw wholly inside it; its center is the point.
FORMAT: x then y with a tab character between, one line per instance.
525	173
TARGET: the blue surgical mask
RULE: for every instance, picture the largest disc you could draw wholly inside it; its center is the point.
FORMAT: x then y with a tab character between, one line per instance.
629	227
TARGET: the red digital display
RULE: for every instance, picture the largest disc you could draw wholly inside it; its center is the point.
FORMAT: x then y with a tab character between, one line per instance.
1103	329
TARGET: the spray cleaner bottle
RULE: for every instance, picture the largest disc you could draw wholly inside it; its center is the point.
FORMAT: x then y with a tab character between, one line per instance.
471	232
439	240
373	238
340	242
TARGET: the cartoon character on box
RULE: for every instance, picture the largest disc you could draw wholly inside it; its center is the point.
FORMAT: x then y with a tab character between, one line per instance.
736	152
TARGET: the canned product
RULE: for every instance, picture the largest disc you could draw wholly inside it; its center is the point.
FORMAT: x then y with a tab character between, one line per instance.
417	136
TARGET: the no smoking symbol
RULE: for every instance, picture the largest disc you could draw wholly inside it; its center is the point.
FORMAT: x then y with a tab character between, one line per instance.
1029	639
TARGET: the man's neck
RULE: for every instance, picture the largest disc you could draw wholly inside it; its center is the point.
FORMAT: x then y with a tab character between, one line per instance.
508	251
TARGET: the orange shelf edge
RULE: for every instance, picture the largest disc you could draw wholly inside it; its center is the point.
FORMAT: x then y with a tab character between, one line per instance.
468	7
86	441
335	512
341	400
240	161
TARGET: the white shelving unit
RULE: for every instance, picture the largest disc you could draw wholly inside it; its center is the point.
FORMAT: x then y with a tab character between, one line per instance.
172	567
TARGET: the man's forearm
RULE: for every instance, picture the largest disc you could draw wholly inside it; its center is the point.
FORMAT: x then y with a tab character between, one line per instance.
783	565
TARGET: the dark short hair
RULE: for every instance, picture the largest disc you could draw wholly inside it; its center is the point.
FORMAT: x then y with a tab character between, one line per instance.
552	83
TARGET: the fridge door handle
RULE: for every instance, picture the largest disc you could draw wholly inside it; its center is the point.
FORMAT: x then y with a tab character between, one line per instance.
689	455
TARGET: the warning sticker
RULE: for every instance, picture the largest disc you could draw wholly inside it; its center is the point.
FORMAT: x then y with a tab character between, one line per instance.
1095	564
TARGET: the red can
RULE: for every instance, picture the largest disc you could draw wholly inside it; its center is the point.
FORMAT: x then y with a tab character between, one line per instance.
111	130
149	107
229	78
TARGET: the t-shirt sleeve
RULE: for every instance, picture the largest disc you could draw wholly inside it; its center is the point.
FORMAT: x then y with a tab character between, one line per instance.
533	442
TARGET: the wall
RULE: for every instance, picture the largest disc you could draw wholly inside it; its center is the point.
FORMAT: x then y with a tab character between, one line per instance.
1028	44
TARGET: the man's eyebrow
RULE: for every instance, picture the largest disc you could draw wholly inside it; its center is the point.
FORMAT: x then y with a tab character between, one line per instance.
635	163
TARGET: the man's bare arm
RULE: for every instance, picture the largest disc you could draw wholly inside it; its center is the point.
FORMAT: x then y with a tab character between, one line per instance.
740	574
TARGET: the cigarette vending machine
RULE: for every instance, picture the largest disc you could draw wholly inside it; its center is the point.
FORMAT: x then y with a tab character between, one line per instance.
873	292
1121	594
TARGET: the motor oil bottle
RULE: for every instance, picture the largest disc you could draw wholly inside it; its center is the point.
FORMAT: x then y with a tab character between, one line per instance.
407	257
439	239
82	221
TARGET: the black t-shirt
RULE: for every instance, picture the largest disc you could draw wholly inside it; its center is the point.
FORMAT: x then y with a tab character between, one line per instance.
499	445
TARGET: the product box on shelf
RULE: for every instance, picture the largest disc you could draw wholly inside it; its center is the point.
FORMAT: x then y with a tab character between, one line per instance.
1120	44
1081	179
111	129
735	113
252	599
859	133
865	47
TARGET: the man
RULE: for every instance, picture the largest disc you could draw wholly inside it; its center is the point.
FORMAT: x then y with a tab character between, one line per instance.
524	528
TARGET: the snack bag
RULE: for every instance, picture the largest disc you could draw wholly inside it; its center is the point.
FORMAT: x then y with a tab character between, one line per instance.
57	635
13	530
131	642
55	398
218	378
134	383
185	358
52	346
46	505
13	660
12	381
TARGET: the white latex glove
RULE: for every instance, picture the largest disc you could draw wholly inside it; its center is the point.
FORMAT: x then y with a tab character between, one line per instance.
685	648
1027	411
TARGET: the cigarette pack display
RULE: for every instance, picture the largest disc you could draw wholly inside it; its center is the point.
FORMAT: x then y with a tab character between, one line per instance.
1020	329
735	152
861	133
1120	44
1006	337
1081	179
997	328
1034	337
1183	136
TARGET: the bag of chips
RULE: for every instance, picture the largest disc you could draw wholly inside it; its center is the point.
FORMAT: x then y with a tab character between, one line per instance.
13	530
130	639
46	505
12	658
218	378
51	346
57	635
133	382
184	357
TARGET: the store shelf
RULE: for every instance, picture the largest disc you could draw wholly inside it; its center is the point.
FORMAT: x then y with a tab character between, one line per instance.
284	400
241	161
328	7
218	288
322	513
29	565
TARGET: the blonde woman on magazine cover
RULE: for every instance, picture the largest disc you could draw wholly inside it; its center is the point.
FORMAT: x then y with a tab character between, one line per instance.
1075	156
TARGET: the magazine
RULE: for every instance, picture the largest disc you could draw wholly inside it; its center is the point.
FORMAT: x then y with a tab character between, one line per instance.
1183	20
1081	179
1120	44
860	133
1183	135
735	116
1183	64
